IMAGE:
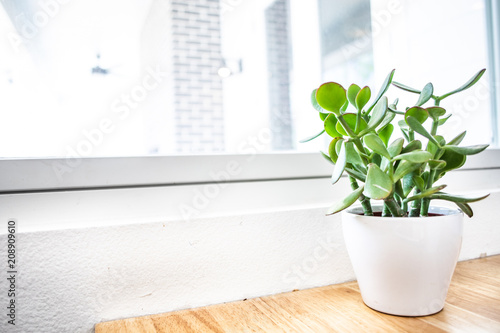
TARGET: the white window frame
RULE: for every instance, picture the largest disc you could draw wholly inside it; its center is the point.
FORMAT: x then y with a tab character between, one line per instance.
37	175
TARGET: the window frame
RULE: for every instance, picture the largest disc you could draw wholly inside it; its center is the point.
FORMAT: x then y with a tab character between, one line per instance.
38	175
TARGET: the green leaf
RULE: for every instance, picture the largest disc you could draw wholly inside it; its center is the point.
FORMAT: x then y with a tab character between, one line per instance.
458	139
432	148
466	85
416	156
470	150
352	154
437	164
385	133
414	145
346	202
314	102
403	125
404	168
425	95
389	117
426	193
350	119
453	160
378	184
406	88
419	182
436	112
340	165
417	127
328	158
312	137
323	116
396	147
376	144
418	113
465	208
383	89
377	117
331	96
331	149
442	121
330	125
363	97
457	198
352	92
356	174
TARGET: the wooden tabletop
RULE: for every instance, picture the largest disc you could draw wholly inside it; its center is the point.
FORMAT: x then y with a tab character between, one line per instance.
472	305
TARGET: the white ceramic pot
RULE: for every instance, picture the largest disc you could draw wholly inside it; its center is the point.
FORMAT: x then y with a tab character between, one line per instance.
404	265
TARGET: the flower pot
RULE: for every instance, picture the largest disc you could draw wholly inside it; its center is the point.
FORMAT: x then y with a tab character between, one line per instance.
404	265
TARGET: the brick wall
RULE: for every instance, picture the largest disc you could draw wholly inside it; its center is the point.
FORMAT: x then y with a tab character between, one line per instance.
278	60
197	87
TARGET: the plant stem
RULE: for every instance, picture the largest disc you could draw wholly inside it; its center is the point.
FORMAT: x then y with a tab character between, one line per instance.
385	211
365	202
393	206
415	205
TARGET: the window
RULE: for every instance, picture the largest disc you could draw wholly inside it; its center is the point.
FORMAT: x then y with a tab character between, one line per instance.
164	78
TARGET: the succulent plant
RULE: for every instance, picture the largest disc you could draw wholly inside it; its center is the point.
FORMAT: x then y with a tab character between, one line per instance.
401	172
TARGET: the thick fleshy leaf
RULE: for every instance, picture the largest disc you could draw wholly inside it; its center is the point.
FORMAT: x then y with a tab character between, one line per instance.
435	112
314	102
331	96
312	137
323	116
352	154
470	150
363	97
425	193
350	119
466	85
406	88
425	95
418	113
432	148
416	156
406	184
453	160
385	133
389	117
330	125
458	139
404	168
326	157
356	174
437	164
465	208
383	89
414	145
352	92
403	125
340	165
442	121
345	106
346	202
457	198
419	182
417	127
331	149
378	184
396	147
376	144
377	117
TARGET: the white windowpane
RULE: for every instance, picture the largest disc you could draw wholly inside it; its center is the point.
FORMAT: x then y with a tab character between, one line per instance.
136	77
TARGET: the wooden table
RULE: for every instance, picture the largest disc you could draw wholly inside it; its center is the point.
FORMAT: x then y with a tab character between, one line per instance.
473	305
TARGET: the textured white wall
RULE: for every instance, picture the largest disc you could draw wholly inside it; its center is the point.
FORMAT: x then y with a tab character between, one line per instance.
71	278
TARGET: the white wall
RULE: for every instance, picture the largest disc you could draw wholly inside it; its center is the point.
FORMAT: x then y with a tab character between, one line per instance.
91	256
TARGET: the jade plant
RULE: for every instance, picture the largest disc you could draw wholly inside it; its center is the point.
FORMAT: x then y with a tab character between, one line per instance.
400	172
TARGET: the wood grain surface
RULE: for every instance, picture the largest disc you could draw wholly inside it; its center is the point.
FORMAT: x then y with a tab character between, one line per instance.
472	305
